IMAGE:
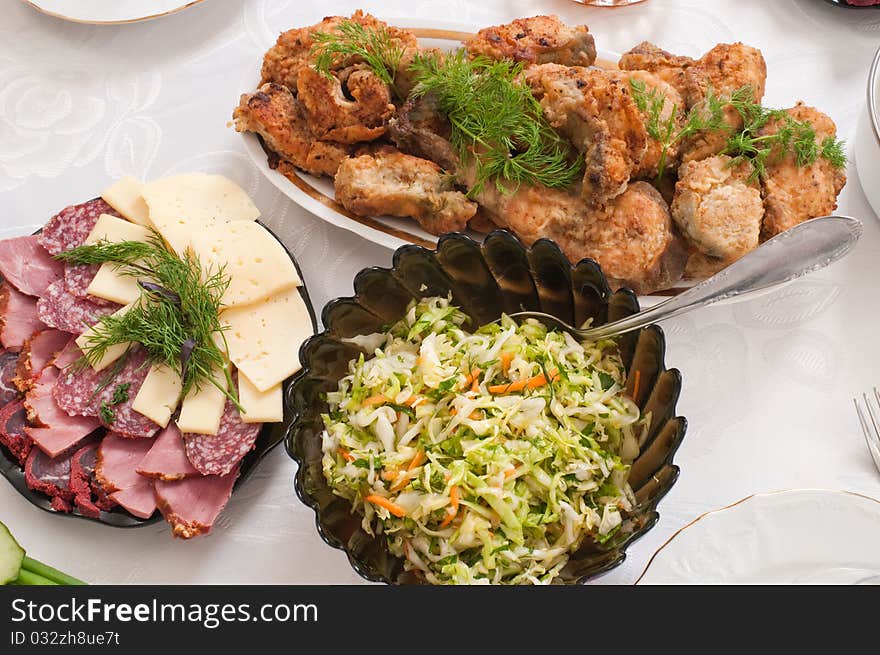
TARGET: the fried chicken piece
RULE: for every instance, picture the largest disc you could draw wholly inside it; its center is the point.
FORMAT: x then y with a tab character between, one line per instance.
668	67
648	165
726	68
717	207
274	114
330	113
395	184
792	193
535	40
595	110
293	49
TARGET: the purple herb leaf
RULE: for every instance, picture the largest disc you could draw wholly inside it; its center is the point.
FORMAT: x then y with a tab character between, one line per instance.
159	290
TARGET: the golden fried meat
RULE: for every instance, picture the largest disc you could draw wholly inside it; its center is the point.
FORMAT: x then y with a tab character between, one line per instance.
274	114
668	67
717	207
595	110
535	40
293	49
391	183
792	193
333	116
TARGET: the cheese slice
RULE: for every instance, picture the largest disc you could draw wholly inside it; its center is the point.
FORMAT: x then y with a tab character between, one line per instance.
184	205
257	264
203	408
109	283
264	338
259	406
115	229
159	394
112	353
125	197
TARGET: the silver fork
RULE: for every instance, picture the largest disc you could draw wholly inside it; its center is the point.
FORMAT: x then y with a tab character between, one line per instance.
871	424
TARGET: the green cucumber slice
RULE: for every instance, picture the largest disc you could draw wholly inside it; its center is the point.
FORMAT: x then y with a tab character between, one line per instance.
11	556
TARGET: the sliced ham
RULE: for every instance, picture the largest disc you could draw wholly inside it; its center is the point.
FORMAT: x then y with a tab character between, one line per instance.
19	317
55	430
68	355
13	419
116	470
8	371
118	460
218	454
70	227
50	476
37	352
26	265
191	506
60	309
167	460
139	500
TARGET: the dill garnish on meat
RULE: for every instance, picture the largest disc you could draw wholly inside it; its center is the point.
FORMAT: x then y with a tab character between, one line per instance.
176	320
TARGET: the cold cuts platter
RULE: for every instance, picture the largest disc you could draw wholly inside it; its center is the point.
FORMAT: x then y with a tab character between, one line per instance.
148	337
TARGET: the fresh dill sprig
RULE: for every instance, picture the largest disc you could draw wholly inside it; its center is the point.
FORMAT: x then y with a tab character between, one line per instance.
496	121
708	116
176	320
375	46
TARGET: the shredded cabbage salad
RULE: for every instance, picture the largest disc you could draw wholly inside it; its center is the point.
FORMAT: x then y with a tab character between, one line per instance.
482	458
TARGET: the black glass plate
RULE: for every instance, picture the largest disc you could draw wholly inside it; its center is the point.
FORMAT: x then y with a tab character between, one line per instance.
499	275
844	5
270	436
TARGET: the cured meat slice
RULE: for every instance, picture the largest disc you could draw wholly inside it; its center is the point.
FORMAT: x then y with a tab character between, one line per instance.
13	419
61	309
57	430
70	227
38	352
68	355
8	371
19	317
26	265
167	458
139	500
116	470
50	476
118	459
218	454
127	422
88	495
78	278
191	506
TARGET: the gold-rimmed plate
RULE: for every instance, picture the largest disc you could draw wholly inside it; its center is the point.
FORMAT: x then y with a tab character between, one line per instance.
110	12
797	536
316	195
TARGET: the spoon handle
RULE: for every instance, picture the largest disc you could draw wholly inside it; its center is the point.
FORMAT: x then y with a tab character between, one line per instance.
805	248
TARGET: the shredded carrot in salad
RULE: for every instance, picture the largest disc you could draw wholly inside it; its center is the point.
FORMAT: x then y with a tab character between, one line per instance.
484	457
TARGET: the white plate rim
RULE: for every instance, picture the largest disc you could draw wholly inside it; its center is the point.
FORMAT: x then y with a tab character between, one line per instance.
733	506
169	7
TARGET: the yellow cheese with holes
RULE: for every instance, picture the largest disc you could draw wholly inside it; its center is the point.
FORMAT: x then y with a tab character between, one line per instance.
259	406
109	283
202	409
159	394
112	353
257	264
125	197
264	338
184	205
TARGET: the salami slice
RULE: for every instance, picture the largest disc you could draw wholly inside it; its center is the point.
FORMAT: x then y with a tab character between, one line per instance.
127	422
75	392
13	419
62	310
8	371
218	454
78	278
70	227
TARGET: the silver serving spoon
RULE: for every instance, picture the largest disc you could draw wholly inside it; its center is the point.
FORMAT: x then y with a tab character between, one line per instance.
807	247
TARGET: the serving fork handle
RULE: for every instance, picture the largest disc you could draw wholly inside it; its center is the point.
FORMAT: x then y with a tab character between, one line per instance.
807	247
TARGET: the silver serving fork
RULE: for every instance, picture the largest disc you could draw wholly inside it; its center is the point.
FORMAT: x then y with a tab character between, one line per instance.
870	420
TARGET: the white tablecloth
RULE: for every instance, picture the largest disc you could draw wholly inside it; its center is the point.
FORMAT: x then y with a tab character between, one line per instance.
767	383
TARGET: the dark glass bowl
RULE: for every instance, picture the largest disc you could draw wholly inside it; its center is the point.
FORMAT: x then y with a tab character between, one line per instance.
270	436
499	275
